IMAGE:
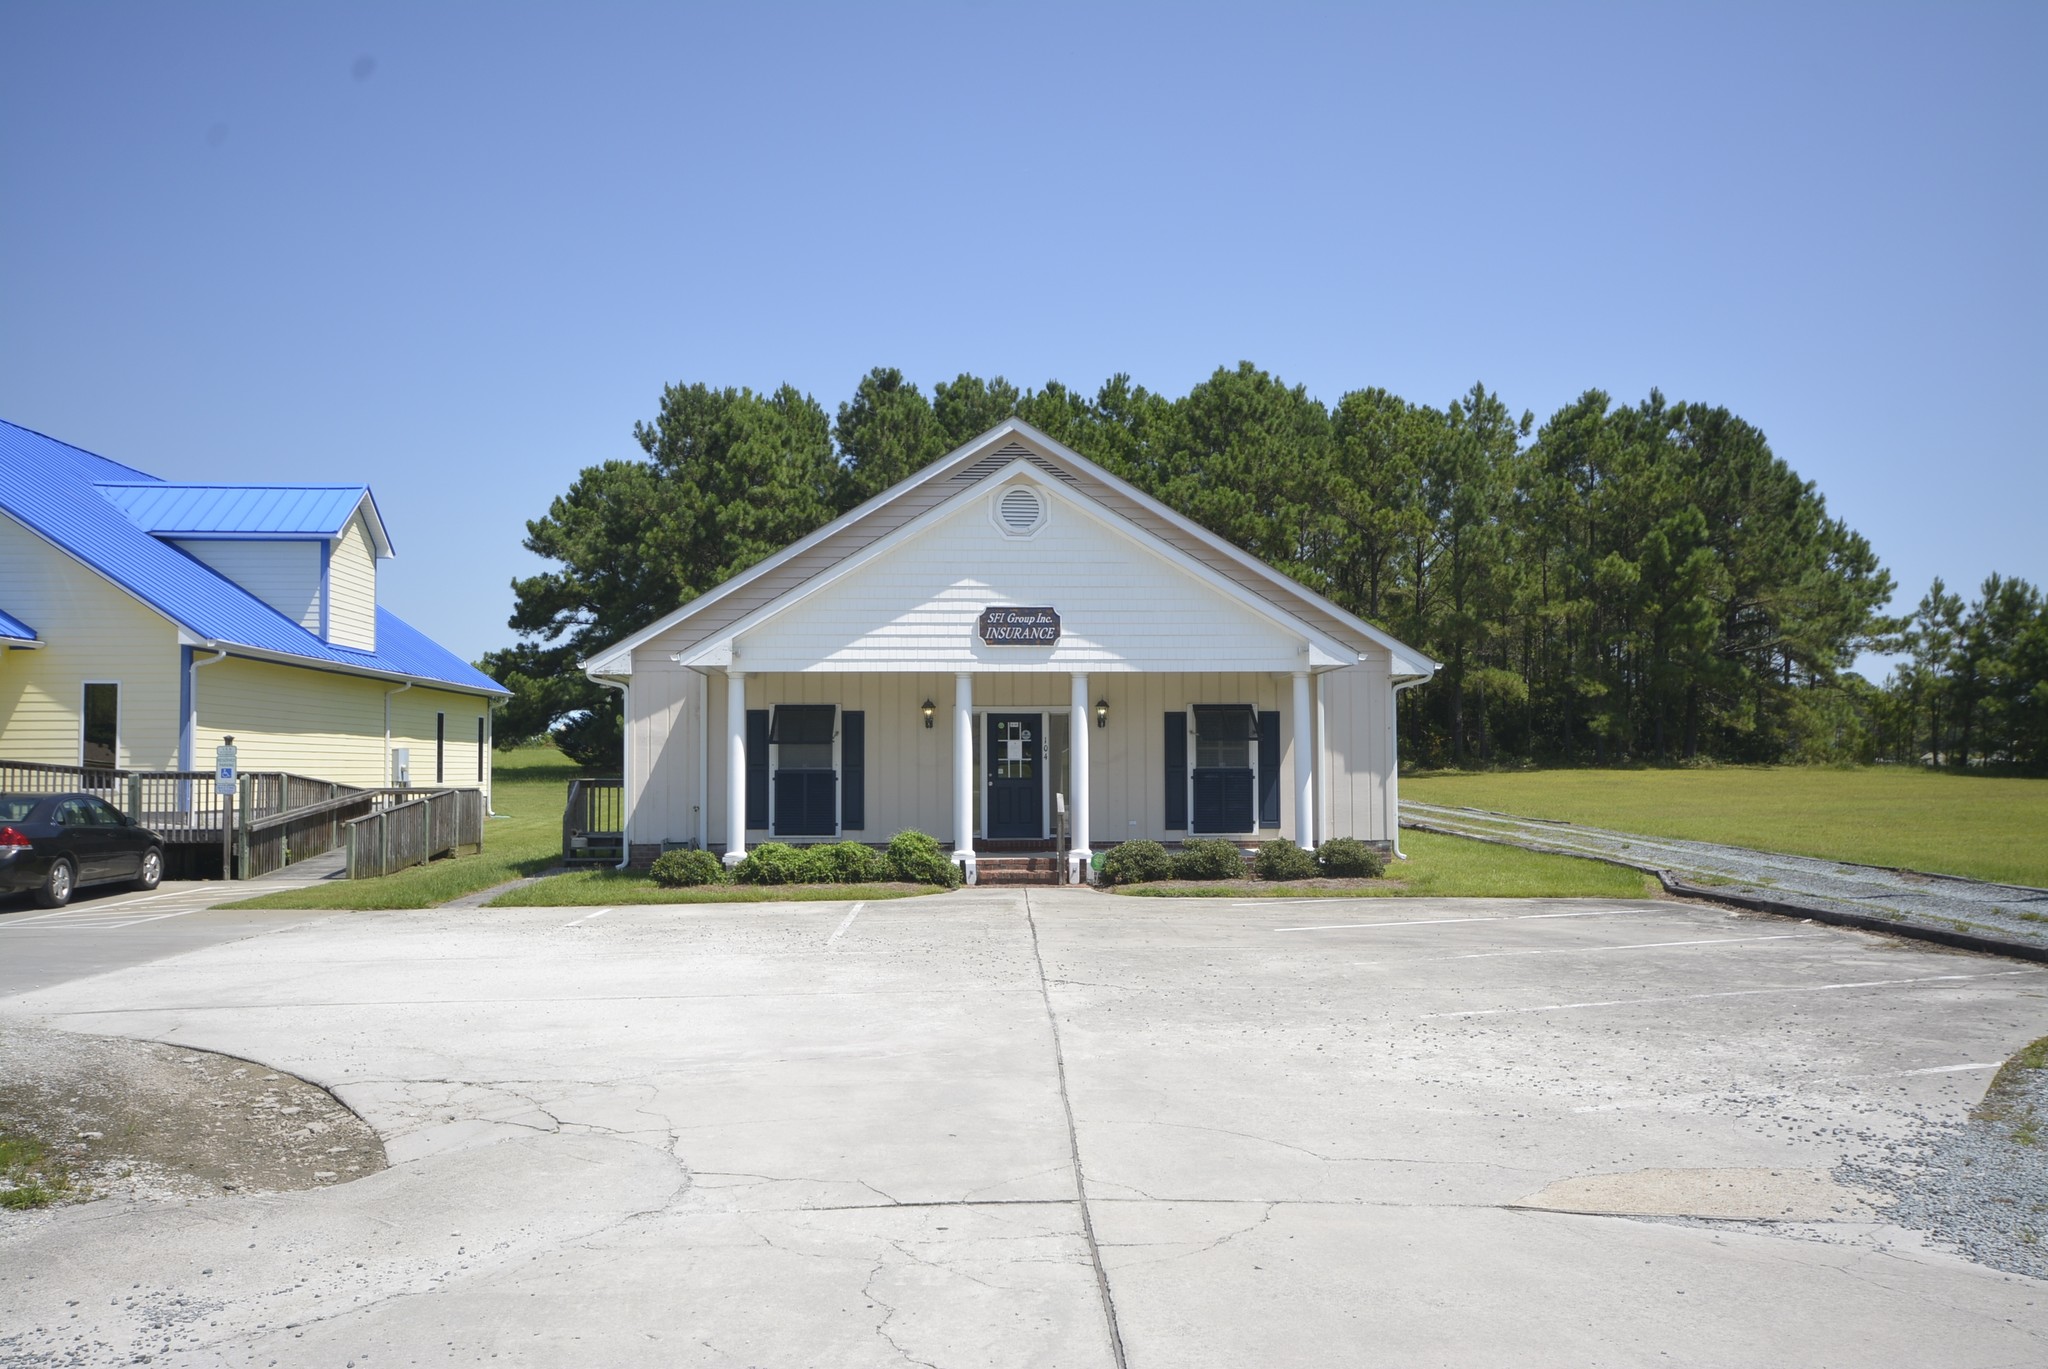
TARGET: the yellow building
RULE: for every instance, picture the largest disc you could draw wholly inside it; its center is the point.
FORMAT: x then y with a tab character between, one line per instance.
141	621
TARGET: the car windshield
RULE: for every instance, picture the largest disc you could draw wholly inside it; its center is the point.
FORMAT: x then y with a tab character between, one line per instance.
14	810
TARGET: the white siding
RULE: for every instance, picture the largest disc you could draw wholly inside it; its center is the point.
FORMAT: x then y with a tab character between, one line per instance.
90	631
352	589
1123	606
284	575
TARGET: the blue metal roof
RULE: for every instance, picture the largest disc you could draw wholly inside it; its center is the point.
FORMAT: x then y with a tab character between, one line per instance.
13	629
49	486
165	509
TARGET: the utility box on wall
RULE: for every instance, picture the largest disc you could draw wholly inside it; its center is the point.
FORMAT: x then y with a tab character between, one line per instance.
401	766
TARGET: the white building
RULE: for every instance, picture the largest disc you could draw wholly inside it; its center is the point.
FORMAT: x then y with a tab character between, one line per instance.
1010	626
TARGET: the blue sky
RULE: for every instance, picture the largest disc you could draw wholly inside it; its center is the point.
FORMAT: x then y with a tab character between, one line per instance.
456	250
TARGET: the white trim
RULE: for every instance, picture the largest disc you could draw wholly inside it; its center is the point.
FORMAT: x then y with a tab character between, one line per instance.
944	468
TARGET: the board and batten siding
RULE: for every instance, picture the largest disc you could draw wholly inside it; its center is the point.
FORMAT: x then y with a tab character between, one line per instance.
284	575
1358	763
91	631
352	589
1123	606
909	767
330	726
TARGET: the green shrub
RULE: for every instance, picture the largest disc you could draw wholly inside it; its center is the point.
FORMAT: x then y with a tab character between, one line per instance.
1136	862
772	862
1281	859
1350	858
1208	858
844	862
682	869
915	857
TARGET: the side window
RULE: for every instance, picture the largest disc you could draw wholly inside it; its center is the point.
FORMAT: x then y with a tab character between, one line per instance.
100	726
102	814
70	813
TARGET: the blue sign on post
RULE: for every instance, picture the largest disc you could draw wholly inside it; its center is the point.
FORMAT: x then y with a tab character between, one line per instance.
225	775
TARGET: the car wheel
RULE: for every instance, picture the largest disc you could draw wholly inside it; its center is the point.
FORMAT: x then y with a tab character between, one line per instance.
57	884
152	872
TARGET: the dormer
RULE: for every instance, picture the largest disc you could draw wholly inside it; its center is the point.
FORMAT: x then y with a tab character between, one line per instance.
308	551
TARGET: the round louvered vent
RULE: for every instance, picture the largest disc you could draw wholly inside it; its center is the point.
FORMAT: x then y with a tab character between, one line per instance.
1020	511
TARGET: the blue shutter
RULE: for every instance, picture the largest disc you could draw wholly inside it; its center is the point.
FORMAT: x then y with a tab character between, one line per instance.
757	768
853	758
1176	777
1269	769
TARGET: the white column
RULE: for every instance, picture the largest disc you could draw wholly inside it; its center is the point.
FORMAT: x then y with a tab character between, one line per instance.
1304	765
700	827
1078	773
1323	832
963	773
735	767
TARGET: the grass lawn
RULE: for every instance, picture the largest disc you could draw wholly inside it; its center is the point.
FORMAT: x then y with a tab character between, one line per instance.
1444	867
529	787
1983	827
603	888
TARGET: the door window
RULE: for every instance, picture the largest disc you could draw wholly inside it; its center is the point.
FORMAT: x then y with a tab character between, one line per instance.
1016	753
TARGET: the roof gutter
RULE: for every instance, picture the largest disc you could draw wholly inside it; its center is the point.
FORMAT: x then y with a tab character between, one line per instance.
625	765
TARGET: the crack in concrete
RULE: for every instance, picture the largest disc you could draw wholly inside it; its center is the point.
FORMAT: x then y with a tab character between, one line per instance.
1116	1338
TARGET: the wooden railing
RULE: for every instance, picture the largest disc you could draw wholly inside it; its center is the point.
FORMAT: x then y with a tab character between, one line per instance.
273	819
594	822
413	827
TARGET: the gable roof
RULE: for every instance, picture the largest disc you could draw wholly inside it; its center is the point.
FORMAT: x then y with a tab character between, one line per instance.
49	487
163	509
961	470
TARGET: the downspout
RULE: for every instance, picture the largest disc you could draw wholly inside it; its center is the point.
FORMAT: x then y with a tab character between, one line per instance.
1394	754
191	728
625	767
387	729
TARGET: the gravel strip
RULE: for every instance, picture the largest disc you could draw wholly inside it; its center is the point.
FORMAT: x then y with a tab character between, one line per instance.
1979	1188
2003	911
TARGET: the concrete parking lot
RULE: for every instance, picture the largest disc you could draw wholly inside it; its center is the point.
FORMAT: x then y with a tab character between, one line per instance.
1058	1128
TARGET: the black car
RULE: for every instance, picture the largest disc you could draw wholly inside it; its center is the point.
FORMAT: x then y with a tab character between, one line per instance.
56	844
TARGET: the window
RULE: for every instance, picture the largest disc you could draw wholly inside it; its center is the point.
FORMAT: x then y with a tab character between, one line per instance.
806	787
803	732
440	748
1224	776
101	730
480	750
1223	738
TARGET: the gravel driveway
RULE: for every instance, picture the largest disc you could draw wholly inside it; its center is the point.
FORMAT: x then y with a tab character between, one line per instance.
2007	911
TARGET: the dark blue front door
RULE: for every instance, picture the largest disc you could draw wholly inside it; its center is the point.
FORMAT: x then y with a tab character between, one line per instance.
1016	750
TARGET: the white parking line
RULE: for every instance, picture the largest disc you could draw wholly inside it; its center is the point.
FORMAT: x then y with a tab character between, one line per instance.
1633	946
1730	993
850	916
587	916
1438	921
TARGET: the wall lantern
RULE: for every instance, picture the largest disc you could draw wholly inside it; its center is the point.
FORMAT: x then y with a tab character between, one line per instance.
929	709
1102	713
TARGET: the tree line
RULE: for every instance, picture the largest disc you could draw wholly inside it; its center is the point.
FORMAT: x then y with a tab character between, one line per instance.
1622	583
